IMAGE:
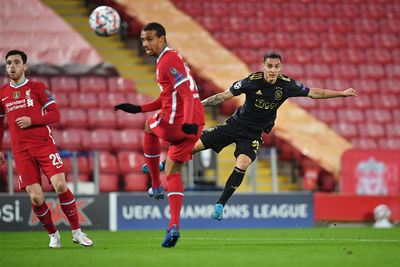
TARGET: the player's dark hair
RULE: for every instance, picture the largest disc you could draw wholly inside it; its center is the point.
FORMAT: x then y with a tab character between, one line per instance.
154	26
272	54
18	52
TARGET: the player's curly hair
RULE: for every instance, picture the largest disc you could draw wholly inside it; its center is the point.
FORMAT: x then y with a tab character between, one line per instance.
18	52
272	54
155	26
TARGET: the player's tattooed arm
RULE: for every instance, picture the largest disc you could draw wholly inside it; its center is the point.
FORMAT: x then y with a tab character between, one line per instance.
217	99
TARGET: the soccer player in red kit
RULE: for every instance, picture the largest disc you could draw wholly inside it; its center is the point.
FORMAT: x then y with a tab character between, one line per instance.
24	102
179	121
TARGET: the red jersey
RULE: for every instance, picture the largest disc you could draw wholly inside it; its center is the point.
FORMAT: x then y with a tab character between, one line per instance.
26	99
180	101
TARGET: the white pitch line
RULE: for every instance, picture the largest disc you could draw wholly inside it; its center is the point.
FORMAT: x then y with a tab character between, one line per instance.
295	239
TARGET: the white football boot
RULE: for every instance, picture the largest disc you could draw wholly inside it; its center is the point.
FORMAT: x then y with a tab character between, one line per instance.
55	240
80	238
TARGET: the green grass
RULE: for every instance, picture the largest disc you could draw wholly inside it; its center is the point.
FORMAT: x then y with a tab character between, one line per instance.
259	247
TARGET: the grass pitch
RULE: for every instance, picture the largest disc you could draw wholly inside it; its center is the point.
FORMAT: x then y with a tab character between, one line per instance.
234	247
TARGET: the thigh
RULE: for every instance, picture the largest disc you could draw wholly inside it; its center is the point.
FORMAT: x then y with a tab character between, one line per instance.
182	151
248	147
28	171
218	137
49	160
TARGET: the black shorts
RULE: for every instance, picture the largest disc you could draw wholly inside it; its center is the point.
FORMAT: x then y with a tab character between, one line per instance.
247	141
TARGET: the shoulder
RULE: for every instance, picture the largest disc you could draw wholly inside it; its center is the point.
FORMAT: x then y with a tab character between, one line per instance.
284	78
256	76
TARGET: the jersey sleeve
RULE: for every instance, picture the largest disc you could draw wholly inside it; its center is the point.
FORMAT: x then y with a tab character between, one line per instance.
174	70
44	96
240	86
296	88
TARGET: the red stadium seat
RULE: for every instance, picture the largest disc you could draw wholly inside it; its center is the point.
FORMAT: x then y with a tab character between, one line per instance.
260	24
211	24
328	116
389	143
373	11
229	39
360	41
346	71
325	11
391	25
337	84
253	40
353	56
327	56
127	120
4	80
371	130
308	40
109	100
372	71
40	79
102	118
351	115
81	177
386	41
319	71
280	41
6	145
295	71
345	10
83	165
396	56
379	56
347	130
333	103
366	25
393	71
366	143
130	161
288	25
94	84
316	25
334	40
341	25
70	139
193	9
393	130
300	56
366	86
269	10
127	139
243	10
396	115
390	86
304	102
62	99
75	118
136	181
65	84
107	163
217	9
361	102
380	116
108	182
120	85
294	10
235	24
385	101
99	139
314	83
83	100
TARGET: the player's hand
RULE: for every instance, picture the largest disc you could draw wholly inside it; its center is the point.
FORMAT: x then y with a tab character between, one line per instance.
128	108
23	122
350	92
2	158
190	128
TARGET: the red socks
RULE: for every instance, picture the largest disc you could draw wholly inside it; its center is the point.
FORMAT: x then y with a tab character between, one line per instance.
67	202
175	197
43	213
152	150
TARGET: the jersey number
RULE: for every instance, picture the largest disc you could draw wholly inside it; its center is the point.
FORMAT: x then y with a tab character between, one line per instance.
57	161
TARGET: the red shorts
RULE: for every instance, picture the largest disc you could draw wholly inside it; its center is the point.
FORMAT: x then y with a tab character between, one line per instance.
29	161
181	144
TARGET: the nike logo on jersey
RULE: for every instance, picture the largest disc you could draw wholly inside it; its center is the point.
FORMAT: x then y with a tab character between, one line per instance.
3	99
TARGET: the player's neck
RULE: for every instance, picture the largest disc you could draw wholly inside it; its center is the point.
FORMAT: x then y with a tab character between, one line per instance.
19	80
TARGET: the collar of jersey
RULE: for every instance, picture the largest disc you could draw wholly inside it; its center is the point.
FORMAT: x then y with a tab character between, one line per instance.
162	53
19	85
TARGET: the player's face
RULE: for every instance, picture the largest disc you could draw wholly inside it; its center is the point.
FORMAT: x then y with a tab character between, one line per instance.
152	45
272	67
16	68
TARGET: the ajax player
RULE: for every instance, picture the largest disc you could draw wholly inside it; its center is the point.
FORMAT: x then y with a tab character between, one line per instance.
24	102
179	121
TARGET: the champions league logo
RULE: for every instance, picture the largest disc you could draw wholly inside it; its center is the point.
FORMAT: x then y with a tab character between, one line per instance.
237	85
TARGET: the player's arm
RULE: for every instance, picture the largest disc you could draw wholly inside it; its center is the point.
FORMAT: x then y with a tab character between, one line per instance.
2	158
130	108
319	93
217	98
51	116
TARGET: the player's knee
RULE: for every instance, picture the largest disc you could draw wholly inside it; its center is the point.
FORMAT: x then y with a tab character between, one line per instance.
37	198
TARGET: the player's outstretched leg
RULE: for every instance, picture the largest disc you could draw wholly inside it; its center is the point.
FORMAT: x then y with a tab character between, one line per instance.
171	237
79	237
55	240
157	193
218	212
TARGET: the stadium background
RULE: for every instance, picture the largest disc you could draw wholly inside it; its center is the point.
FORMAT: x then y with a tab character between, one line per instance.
329	43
